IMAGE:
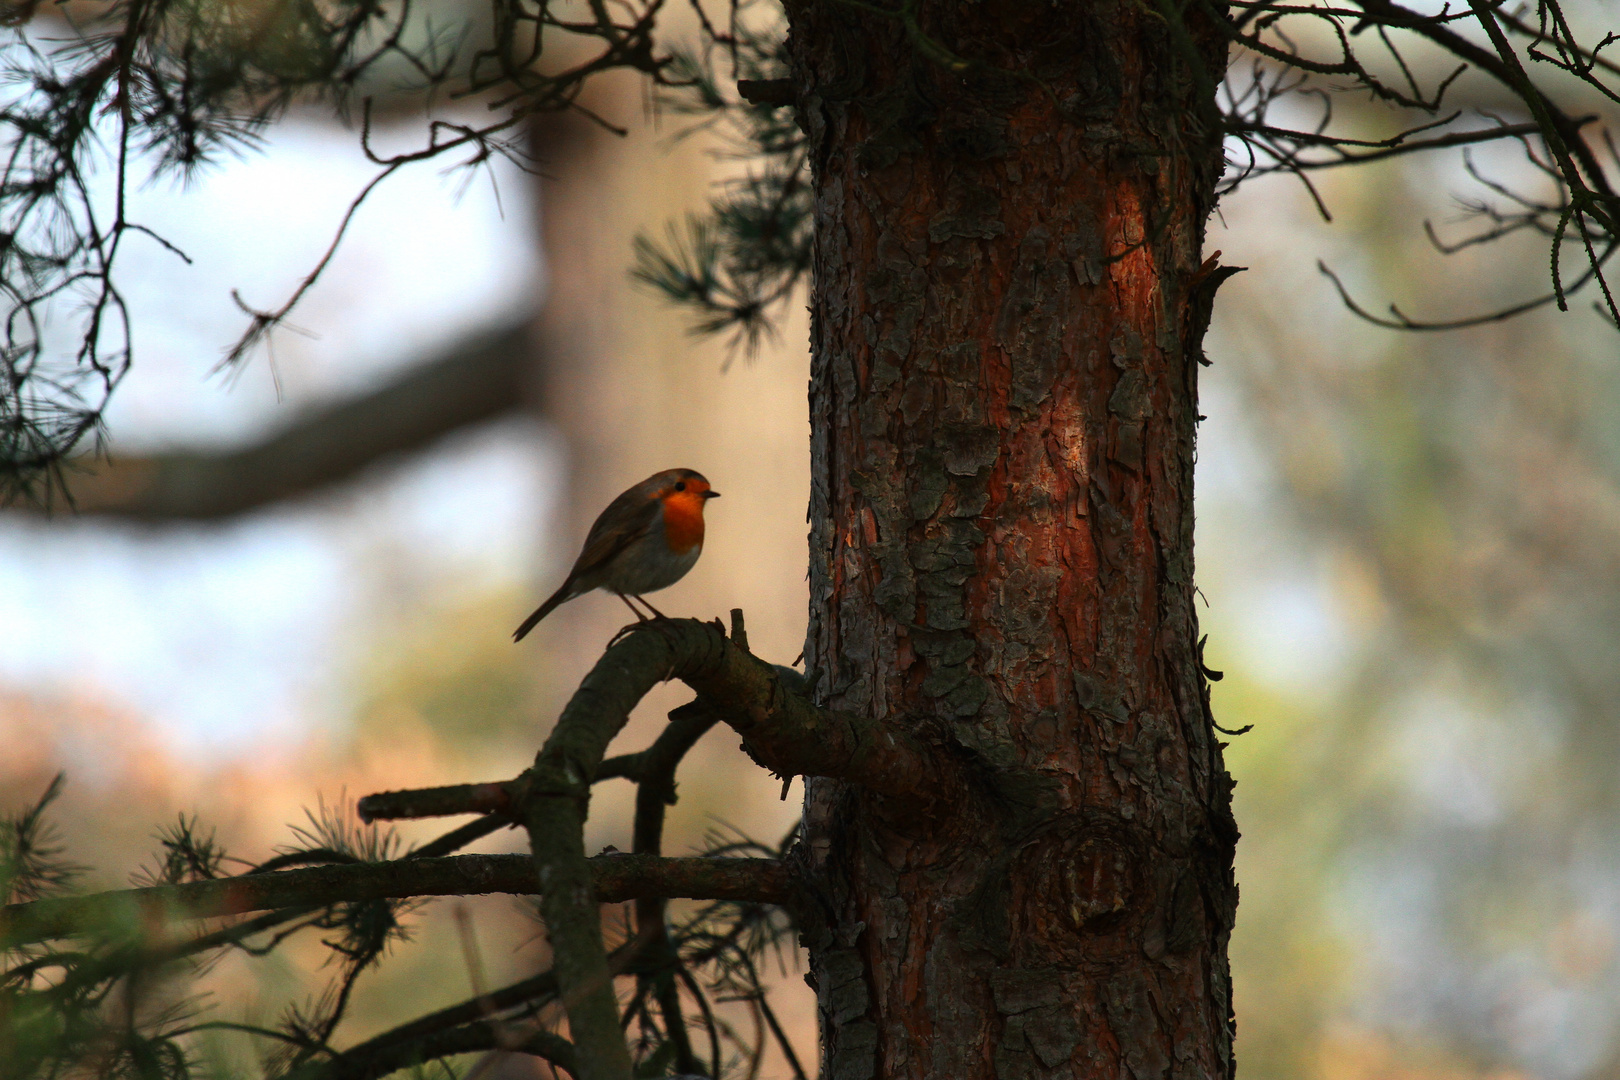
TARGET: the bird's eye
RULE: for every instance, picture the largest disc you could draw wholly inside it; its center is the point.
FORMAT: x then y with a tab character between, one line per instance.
680	485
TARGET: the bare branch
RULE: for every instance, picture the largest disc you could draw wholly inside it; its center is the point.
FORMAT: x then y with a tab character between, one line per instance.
783	731
490	797
655	791
1386	148
468	1038
163	87
612	878
476	379
733	685
773	720
494	797
378	1048
765	704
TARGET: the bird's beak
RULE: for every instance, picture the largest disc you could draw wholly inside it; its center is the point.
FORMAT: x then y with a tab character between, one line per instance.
711	494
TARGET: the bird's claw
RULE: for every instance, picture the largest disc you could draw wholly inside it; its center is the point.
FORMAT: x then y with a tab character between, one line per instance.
625	631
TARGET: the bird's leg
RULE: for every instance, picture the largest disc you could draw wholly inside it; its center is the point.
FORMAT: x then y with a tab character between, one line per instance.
639	616
652	609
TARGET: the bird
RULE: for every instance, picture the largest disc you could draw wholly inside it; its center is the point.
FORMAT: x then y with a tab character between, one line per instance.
646	539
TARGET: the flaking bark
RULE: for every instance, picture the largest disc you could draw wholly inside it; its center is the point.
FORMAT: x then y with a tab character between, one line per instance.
1010	202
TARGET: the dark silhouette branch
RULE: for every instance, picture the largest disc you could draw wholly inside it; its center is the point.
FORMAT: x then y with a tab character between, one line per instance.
554	808
472	1037
610	879
478	379
490	797
762	702
1561	130
653	769
781	729
655	792
171	90
494	797
413	1041
1384	148
536	988
773	92
145	955
768	705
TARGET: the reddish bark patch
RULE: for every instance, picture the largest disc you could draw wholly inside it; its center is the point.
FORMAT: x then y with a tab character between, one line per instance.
1003	404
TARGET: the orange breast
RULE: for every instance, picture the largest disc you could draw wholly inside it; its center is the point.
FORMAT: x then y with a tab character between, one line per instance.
683	521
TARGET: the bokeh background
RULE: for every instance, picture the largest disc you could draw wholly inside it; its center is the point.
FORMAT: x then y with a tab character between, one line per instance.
1409	545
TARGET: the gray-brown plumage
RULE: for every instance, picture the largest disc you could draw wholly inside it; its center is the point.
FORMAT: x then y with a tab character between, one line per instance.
646	540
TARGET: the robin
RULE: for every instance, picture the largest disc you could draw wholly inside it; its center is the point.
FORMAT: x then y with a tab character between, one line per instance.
647	539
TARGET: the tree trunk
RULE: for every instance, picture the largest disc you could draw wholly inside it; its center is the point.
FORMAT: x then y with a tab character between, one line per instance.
1008	310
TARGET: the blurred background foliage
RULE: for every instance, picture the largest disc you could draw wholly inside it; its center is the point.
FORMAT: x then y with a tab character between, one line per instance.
1410	545
1410	542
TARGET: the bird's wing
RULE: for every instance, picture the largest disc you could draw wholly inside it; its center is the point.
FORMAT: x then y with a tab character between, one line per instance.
627	519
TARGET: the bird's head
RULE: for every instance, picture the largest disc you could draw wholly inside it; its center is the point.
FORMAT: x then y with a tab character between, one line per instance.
682	493
682	490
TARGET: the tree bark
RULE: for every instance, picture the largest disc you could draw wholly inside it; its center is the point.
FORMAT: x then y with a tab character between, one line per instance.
1008	309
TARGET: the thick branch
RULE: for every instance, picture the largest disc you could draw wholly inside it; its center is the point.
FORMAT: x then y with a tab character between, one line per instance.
612	878
555	806
785	732
655	792
475	380
768	706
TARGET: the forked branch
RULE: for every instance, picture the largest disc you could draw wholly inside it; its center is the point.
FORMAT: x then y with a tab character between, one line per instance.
782	730
753	900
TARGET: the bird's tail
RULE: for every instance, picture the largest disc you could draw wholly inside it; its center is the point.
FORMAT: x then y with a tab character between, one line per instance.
564	593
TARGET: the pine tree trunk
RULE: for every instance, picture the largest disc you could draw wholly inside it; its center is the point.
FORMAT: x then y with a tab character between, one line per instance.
1007	320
